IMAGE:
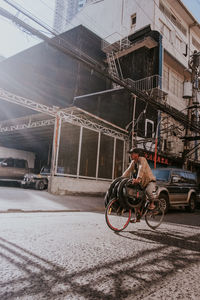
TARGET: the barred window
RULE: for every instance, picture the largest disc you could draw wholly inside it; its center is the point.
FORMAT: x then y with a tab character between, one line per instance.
68	150
89	153
119	158
106	157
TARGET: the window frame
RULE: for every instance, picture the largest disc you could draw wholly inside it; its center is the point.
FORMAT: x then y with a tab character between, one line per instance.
146	124
133	18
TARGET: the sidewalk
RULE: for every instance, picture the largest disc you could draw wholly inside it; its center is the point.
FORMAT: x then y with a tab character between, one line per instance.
13	199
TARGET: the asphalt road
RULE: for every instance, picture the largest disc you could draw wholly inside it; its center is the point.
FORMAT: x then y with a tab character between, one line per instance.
74	255
30	200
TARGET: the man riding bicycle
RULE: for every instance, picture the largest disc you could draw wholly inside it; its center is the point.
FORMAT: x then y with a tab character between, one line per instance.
144	175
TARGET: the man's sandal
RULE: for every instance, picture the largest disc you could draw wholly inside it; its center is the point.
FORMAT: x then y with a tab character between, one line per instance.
134	220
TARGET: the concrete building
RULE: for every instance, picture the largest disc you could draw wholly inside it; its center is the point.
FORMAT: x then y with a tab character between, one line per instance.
180	33
65	10
91	144
138	48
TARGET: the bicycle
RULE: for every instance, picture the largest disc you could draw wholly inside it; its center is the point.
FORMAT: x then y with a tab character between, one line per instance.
123	199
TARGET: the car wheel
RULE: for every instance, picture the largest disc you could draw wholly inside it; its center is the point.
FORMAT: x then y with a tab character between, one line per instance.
192	204
40	185
164	202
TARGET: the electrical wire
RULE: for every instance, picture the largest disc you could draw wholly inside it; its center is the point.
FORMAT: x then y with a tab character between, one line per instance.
71	46
169	110
79	19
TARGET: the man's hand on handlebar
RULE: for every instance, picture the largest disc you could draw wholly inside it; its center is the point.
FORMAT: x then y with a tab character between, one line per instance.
136	181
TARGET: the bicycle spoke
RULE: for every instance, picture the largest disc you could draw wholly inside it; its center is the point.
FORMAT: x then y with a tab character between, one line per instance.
155	217
117	218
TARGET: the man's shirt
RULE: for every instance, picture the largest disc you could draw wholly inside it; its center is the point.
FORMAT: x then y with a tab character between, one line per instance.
144	171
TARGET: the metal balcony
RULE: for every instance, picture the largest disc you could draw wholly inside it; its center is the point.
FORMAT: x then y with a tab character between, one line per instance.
151	85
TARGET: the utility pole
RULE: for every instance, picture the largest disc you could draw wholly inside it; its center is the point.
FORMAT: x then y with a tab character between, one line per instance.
194	65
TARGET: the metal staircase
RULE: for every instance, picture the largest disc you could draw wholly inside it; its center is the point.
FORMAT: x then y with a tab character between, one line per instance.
112	66
124	43
111	51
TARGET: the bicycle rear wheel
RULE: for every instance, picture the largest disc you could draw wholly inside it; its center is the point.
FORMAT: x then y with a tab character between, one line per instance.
117	218
155	217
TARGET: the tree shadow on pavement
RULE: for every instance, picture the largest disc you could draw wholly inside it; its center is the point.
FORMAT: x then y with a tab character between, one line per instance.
38	278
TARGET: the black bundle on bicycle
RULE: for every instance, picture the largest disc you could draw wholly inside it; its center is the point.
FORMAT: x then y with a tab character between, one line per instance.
128	195
112	191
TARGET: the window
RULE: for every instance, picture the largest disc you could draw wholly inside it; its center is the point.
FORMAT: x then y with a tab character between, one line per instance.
133	20
166	78
172	17
20	163
68	150
161	175
89	153
178	43
191	177
149	128
119	158
9	162
165	31
106	157
176	84
195	43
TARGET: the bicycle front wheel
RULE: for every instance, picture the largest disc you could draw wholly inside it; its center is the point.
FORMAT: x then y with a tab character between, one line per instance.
117	217
155	217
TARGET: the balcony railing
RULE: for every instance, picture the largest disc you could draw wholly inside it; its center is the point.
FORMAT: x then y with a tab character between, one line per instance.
151	84
115	43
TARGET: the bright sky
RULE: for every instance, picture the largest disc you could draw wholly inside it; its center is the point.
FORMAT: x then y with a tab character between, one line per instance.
13	40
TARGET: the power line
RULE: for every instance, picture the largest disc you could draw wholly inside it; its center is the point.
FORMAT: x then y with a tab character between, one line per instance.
72	51
37	21
79	19
30	16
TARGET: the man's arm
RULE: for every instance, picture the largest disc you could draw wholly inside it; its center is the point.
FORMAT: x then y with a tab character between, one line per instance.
141	167
129	170
140	173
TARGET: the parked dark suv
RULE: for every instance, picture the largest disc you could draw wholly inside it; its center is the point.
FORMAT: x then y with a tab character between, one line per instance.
177	187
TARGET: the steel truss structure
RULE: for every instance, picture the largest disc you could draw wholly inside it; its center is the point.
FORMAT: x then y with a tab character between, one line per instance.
72	115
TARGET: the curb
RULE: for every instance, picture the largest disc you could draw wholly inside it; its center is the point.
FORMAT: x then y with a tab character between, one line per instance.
48	211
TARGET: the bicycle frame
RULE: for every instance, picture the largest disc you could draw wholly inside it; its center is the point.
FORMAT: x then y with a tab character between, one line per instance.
122	204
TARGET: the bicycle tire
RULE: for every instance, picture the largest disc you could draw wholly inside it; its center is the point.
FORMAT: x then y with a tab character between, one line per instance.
117	218
111	190
155	217
120	194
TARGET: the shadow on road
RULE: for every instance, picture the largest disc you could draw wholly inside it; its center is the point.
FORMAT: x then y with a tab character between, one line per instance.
10	183
180	216
42	279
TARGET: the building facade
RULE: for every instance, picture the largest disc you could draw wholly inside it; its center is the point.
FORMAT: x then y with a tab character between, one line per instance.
179	36
138	49
65	10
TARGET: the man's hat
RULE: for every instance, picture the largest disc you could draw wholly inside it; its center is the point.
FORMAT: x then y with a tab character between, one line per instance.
136	150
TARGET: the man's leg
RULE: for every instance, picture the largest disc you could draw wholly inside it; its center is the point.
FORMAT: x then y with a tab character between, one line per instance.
151	187
138	216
